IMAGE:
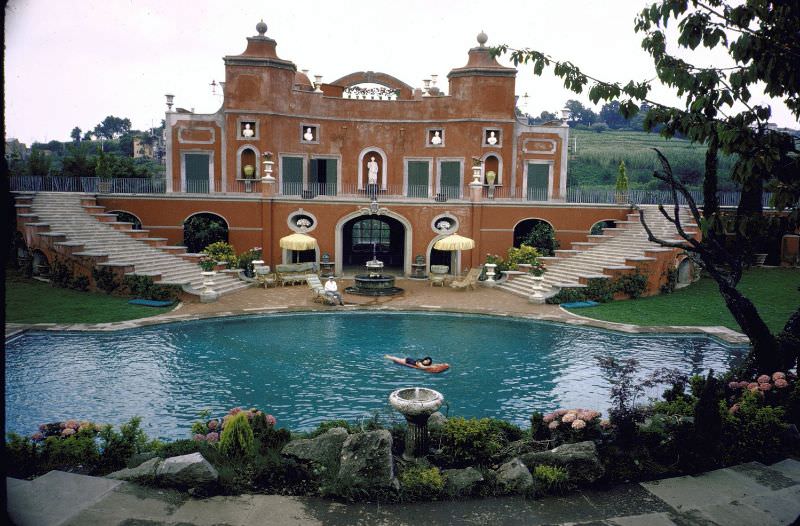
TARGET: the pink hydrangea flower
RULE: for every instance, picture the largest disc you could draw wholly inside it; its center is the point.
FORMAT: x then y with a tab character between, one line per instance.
84	427
605	424
734	409
578	424
778	376
752	386
43	427
764	378
62	425
569	418
553	425
199	437
235	411
212	424
764	386
73	424
37	437
67	432
743	384
212	437
561	412
271	420
733	385
548	418
781	383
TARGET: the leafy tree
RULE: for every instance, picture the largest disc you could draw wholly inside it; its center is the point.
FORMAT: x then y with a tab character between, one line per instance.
621	185
76	134
38	163
760	38
546	116
112	127
610	114
16	165
77	163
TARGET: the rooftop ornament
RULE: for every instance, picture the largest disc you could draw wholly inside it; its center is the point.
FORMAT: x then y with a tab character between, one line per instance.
482	39
170	99
261	27
373	93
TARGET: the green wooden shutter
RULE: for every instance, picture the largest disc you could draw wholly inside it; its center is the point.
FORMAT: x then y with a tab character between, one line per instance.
196	166
417	179
450	179
330	176
538	179
292	175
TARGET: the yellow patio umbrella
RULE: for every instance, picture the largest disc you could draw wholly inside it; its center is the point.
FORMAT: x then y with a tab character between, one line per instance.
298	241
454	242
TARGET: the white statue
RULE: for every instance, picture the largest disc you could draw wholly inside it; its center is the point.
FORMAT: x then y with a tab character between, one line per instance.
372	167
491	139
436	139
248	131
308	135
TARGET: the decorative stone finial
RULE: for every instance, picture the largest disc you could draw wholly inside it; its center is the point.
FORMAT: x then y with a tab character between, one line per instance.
261	27
482	38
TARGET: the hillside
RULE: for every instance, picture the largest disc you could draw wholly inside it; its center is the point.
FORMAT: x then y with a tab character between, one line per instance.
596	159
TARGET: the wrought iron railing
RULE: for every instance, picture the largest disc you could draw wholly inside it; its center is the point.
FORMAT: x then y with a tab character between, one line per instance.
133	185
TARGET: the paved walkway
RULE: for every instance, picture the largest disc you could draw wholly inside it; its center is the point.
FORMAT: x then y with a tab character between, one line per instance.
748	494
418	295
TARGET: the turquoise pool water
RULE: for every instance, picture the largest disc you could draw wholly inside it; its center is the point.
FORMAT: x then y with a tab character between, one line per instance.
306	368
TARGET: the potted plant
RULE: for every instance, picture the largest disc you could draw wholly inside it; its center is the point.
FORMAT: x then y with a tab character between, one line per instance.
207	264
490	177
249	170
268	163
476	170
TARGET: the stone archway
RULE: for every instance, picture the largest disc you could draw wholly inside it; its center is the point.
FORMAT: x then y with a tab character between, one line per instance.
399	237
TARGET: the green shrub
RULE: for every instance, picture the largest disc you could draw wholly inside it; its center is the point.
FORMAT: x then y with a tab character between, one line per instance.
80	283
236	440
543	238
245	260
222	251
550	479
77	451
60	273
266	435
752	431
324	427
670	281
105	279
421	483
474	441
145	287
179	448
120	446
632	285
21	456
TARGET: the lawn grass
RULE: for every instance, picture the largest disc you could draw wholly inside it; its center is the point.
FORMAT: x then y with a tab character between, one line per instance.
31	301
773	291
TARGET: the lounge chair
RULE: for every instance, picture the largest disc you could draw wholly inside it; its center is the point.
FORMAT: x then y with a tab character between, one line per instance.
318	290
469	281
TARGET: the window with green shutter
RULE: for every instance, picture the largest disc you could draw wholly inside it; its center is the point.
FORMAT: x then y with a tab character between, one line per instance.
322	177
196	167
450	179
538	180
292	175
418	178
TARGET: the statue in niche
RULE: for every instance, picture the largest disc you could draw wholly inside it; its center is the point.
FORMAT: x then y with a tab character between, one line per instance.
248	131
436	139
308	135
491	139
372	171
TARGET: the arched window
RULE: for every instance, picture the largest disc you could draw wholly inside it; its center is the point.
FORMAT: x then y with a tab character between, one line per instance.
369	231
536	233
200	230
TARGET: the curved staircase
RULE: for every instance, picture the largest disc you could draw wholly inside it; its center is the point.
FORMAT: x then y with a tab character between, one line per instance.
616	251
78	227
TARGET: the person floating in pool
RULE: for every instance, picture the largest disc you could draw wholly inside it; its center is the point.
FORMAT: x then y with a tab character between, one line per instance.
423	363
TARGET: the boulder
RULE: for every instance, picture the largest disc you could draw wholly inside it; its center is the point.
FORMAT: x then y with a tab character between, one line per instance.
436	420
366	462
324	450
186	471
146	469
581	461
460	482
514	477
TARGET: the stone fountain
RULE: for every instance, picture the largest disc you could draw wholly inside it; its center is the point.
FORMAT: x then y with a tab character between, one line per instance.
417	404
374	282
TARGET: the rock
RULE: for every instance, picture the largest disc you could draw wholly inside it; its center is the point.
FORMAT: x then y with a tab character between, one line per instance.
186	471
436	420
514	476
461	482
146	469
580	460
366	462
324	450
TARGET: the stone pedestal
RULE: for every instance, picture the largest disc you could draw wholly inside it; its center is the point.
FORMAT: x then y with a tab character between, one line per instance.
490	274
208	295
475	192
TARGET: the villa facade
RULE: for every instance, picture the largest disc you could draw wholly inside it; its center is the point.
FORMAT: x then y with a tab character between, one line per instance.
365	164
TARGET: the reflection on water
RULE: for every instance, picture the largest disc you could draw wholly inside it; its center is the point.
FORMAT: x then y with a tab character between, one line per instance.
306	368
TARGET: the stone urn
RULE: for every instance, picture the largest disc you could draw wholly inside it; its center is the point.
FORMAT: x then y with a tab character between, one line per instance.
490	273
416	404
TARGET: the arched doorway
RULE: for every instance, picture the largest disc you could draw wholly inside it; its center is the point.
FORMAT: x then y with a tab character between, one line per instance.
379	236
597	228
685	273
127	217
536	233
202	229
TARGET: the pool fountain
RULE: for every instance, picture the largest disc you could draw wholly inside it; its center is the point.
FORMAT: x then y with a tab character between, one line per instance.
417	404
374	282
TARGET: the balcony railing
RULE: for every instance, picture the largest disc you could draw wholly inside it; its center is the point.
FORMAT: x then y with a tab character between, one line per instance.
26	183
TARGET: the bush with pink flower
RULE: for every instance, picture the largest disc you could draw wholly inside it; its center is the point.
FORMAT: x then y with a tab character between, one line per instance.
570	425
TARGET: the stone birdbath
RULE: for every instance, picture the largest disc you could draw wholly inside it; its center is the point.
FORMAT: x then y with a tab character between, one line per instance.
417	404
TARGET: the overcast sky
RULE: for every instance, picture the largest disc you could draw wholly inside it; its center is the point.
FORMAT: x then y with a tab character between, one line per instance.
72	62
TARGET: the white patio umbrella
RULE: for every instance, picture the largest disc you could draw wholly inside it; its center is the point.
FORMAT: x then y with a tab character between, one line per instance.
454	242
298	241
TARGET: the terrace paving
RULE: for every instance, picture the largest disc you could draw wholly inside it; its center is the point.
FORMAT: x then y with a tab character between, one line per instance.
418	295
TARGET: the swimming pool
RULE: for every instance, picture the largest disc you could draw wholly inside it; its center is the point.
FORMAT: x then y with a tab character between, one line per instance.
305	368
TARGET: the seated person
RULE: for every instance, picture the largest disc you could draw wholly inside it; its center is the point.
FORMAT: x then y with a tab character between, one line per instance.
332	291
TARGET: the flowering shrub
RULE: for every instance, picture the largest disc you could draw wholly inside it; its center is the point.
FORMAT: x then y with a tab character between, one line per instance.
209	430
222	251
207	264
572	425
